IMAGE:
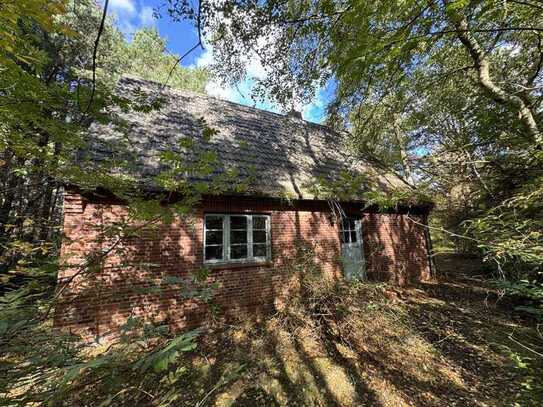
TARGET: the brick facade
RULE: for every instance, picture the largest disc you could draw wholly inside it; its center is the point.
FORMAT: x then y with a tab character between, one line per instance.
129	280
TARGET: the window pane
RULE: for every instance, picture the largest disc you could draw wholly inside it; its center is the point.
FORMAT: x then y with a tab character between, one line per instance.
348	224
345	237
214	237
238	236
259	236
213	252
259	222
238	252
214	222
353	236
238	222
259	250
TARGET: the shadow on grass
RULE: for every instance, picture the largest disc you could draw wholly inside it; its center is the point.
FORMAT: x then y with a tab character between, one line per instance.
420	350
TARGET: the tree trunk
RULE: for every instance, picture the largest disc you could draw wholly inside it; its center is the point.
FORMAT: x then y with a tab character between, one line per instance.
482	65
401	147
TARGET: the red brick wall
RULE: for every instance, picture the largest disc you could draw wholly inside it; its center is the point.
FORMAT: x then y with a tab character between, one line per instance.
395	247
129	279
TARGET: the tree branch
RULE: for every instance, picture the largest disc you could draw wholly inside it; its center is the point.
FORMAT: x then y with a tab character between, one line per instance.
198	44
482	65
538	64
463	30
95	54
94	259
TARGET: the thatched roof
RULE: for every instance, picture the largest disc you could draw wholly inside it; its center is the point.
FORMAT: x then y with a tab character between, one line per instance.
284	153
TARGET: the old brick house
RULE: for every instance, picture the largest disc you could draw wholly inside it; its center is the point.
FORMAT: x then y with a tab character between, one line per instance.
246	239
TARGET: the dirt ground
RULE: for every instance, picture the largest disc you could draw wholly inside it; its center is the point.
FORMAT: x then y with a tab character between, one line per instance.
443	343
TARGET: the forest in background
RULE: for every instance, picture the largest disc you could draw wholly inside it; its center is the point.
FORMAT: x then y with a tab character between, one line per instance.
55	86
445	93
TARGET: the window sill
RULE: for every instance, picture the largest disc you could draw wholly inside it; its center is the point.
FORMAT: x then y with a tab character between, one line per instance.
236	265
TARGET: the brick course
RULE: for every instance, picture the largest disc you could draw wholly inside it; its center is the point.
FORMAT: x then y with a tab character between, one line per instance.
130	279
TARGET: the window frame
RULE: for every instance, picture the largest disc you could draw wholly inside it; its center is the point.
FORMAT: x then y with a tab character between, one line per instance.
356	228
226	245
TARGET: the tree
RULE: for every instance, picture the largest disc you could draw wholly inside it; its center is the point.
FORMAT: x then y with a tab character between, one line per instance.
146	56
45	104
460	80
56	79
447	93
373	48
50	97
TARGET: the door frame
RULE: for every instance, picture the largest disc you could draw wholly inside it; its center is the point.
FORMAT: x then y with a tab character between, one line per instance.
359	244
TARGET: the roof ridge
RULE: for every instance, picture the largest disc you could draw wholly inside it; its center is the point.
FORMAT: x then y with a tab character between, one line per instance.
205	95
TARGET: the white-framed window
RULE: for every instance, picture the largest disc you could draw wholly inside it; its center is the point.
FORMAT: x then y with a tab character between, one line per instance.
236	238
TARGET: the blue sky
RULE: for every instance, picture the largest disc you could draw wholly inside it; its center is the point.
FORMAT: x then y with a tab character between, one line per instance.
181	36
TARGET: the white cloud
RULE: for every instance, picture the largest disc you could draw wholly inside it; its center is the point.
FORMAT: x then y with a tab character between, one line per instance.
123	6
205	58
252	62
241	93
130	15
510	48
123	12
213	88
254	70
126	27
146	16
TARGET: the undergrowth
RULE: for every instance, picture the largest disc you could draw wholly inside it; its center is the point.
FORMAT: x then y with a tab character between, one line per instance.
335	342
331	342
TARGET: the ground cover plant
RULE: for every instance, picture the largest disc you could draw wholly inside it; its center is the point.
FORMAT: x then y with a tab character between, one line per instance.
448	342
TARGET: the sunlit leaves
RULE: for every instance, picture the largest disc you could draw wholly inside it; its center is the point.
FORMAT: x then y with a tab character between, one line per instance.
160	359
14	44
146	56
